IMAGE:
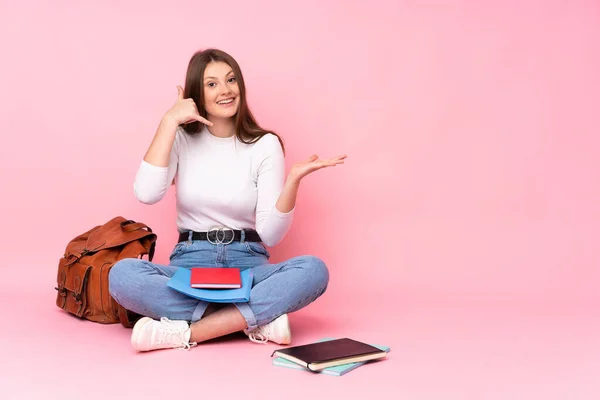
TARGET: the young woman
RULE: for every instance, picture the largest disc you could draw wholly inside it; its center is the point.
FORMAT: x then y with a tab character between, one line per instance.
233	201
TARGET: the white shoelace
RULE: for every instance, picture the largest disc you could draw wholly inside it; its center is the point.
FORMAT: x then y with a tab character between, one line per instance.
186	346
257	336
171	329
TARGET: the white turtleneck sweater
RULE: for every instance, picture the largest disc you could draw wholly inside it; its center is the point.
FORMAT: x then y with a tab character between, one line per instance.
221	182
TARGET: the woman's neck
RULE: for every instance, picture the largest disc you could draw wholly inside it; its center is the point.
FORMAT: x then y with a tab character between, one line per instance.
222	127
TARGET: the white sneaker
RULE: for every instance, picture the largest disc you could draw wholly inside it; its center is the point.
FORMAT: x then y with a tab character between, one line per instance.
149	334
277	331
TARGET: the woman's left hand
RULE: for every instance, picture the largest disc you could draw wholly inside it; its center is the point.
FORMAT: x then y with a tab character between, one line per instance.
301	169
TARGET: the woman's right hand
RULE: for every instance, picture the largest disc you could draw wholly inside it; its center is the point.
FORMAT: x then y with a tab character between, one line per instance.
185	111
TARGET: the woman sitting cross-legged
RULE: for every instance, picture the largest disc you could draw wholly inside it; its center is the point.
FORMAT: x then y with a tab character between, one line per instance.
233	202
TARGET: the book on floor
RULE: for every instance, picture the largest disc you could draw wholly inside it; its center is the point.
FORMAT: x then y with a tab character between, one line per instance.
181	282
320	355
215	278
337	370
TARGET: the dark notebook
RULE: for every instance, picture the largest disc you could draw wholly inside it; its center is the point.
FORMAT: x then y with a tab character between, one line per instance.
316	356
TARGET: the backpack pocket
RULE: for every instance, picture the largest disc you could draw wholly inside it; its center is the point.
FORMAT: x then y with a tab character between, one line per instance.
72	282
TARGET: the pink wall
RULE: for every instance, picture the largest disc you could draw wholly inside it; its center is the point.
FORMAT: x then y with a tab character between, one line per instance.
473	146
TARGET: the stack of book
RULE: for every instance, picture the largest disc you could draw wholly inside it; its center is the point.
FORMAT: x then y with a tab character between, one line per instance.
329	356
217	285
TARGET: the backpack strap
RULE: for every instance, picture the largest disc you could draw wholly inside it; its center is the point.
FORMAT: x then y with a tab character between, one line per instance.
127	318
130	226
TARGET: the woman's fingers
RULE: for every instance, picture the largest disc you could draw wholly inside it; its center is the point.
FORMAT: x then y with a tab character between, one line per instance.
179	93
203	120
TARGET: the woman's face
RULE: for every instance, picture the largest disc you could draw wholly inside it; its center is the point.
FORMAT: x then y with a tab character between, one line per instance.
221	91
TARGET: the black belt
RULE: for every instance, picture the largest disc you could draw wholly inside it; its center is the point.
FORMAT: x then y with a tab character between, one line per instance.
222	235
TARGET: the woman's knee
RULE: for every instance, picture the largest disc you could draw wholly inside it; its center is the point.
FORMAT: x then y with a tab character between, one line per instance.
317	270
120	274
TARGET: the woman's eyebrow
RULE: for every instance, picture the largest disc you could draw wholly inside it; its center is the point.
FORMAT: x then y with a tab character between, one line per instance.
212	77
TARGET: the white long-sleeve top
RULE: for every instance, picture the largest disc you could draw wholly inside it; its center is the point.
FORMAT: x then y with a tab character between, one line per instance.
221	182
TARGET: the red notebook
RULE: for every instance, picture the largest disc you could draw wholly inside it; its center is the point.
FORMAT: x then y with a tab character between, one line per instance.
215	278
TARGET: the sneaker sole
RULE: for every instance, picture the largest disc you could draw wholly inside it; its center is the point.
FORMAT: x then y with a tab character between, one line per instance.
137	328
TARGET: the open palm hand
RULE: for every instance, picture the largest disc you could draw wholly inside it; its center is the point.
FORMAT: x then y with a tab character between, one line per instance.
313	163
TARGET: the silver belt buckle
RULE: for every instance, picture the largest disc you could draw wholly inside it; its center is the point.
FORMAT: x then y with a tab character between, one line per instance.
220	235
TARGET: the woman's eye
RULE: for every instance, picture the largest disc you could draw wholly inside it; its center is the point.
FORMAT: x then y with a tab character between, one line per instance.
232	79
211	84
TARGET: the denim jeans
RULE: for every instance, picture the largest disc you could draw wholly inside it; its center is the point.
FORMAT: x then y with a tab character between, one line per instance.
277	289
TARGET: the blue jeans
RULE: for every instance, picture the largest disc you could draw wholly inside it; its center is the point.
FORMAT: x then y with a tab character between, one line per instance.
277	289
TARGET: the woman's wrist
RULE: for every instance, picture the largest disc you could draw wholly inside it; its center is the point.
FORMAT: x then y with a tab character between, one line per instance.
293	179
168	121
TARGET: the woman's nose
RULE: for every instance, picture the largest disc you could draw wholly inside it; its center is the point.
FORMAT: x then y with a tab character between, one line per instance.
225	90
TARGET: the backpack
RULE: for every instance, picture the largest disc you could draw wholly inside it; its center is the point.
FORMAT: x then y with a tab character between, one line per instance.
84	268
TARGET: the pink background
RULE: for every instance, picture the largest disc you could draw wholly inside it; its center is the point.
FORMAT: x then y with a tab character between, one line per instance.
461	231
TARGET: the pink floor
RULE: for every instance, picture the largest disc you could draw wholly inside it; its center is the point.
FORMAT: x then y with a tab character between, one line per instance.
457	349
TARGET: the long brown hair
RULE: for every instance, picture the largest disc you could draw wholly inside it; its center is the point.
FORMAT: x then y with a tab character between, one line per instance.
247	129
